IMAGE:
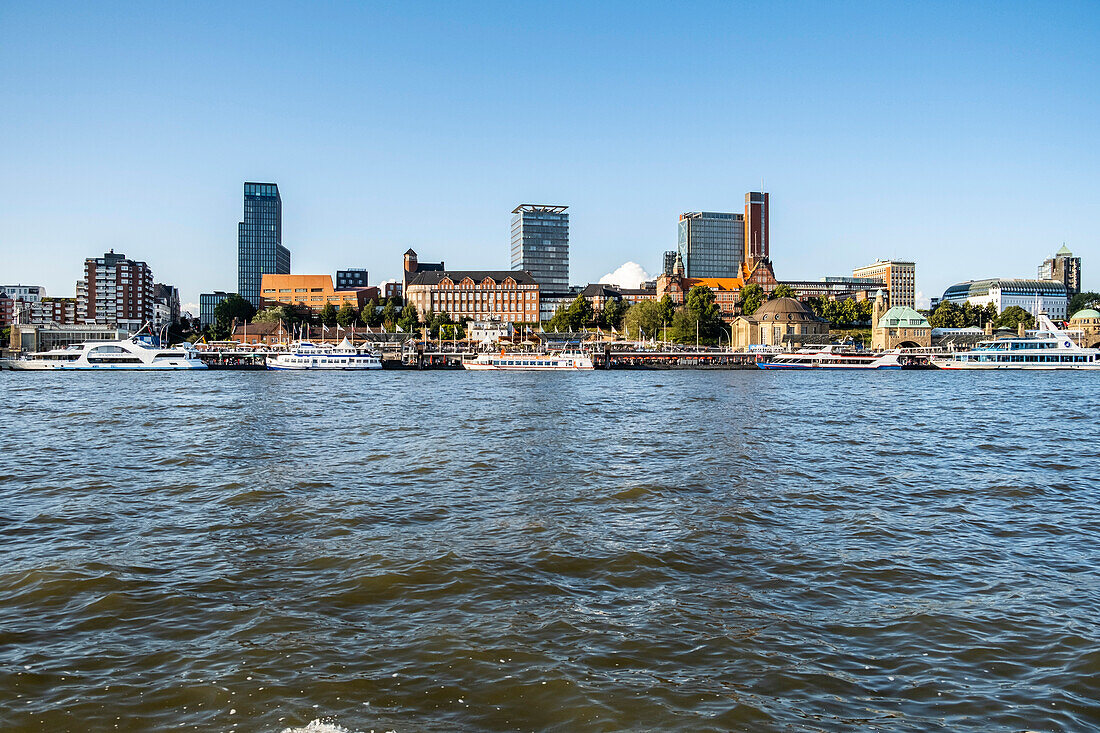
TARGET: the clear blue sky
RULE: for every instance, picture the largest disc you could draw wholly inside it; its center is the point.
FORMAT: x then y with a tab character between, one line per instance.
962	135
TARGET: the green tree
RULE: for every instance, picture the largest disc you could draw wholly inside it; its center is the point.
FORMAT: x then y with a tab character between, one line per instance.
782	291
643	320
752	295
667	309
580	313
1081	301
702	307
389	315
613	312
1013	316
947	315
328	314
234	308
409	319
347	315
273	314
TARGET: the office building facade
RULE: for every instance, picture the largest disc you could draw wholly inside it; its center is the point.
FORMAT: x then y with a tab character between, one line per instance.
1065	268
207	303
260	247
900	277
711	244
313	292
115	290
354	277
540	244
505	296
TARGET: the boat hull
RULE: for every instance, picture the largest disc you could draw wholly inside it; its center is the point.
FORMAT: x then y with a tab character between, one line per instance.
15	365
832	367
979	366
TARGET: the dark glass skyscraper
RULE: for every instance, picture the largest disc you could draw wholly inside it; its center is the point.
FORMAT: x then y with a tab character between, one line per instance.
540	244
711	244
260	247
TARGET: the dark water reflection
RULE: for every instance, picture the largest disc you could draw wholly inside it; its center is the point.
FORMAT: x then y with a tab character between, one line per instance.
604	551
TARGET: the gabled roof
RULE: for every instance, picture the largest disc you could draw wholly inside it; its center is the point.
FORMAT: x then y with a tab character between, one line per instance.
434	277
599	290
904	316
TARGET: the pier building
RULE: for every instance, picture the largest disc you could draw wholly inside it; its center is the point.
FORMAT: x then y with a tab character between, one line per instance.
1088	323
779	322
898	327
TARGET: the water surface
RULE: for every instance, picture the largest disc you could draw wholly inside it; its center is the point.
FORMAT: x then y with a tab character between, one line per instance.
440	551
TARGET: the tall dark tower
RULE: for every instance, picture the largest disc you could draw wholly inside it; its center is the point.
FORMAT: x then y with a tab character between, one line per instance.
260	247
756	228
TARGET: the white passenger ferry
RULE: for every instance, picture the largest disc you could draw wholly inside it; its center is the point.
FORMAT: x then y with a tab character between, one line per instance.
558	361
124	354
1050	348
831	357
306	355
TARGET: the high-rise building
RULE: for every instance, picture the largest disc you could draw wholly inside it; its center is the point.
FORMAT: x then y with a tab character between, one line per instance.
1065	268
260	247
540	244
669	263
207	303
756	228
115	291
900	276
711	244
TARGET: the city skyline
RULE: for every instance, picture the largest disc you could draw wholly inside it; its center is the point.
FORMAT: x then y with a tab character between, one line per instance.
949	150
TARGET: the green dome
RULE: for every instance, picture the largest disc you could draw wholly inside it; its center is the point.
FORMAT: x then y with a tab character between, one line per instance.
1087	313
903	316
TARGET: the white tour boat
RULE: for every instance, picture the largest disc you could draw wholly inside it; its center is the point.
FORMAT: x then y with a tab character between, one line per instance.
569	361
308	355
1049	348
831	357
124	354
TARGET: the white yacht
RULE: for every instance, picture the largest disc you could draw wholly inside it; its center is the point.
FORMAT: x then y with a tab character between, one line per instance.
1049	348
569	361
125	354
832	357
305	355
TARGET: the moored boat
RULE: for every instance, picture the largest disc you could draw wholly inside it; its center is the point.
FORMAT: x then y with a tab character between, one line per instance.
306	355
832	357
129	354
1050	348
570	361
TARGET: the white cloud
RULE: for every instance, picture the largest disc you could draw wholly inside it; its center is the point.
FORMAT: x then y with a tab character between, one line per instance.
922	302
629	275
192	308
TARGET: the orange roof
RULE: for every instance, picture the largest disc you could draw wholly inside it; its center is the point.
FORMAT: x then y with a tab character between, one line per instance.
715	283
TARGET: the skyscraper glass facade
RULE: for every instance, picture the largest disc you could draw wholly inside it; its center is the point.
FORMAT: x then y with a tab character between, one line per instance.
260	240
711	244
540	244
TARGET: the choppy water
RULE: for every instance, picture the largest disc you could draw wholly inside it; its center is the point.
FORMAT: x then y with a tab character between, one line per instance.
572	552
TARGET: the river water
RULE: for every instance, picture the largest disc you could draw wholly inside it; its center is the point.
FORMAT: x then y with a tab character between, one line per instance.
604	551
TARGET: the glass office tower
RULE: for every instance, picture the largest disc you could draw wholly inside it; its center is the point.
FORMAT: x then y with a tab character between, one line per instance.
260	247
540	244
711	244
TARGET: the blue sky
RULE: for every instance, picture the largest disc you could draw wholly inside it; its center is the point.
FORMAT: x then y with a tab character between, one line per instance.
963	136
